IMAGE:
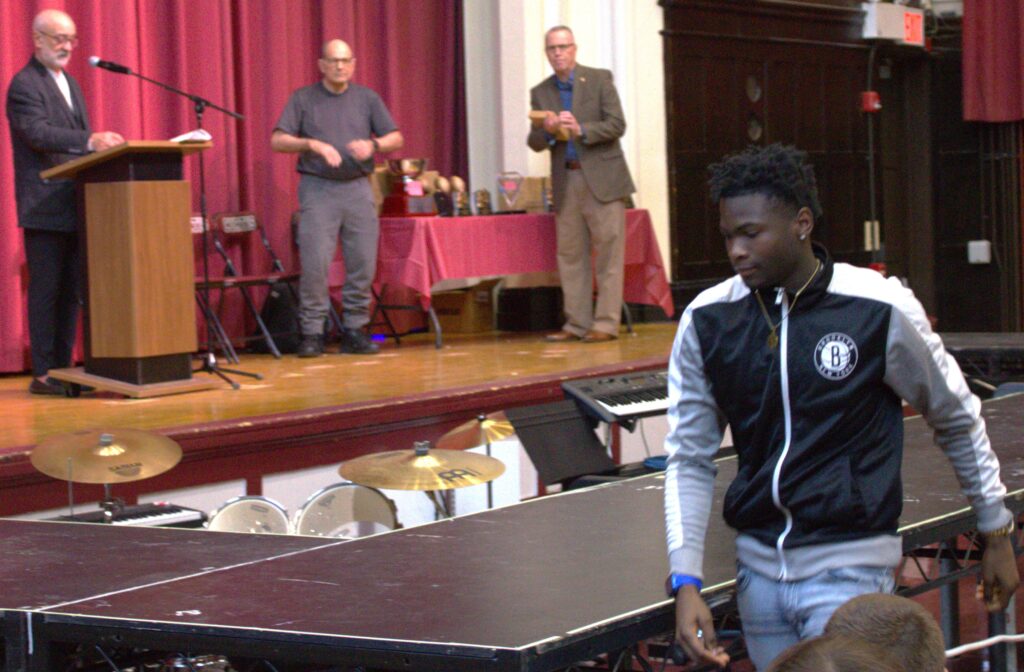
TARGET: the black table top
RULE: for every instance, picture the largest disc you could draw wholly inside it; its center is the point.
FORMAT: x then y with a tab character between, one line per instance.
966	340
528	577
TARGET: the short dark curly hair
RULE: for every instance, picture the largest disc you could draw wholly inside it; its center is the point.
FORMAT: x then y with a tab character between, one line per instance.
778	171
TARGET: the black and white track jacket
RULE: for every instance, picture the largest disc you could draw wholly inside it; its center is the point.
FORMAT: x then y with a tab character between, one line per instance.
816	422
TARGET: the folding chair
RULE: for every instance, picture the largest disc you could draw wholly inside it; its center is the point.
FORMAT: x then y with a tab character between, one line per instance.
232	230
216	334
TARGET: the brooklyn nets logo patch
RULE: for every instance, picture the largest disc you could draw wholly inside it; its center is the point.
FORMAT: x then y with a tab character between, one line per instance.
836	356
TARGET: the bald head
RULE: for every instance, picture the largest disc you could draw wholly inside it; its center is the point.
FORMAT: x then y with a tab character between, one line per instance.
333	48
336	65
52	20
54	37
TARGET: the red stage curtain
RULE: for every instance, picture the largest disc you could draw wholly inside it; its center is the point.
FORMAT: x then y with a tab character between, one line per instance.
993	64
246	55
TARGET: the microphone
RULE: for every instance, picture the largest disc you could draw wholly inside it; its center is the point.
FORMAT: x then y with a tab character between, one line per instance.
96	62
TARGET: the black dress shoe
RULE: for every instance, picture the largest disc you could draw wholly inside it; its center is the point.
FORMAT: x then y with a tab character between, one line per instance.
356	342
81	388
310	346
46	387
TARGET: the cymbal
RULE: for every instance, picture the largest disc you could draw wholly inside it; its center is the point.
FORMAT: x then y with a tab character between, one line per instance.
493	427
105	456
420	469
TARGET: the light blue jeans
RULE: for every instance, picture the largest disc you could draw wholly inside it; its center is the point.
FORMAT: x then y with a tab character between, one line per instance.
778	614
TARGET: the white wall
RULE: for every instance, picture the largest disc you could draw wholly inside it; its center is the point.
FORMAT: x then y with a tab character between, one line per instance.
505	58
948	7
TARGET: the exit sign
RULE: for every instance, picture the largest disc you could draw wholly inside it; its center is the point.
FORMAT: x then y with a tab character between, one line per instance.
894	23
913	27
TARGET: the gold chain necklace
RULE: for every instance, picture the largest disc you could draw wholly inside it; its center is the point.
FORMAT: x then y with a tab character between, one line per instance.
773	334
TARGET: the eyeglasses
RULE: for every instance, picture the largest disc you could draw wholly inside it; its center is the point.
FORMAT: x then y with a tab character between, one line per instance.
552	48
339	61
58	40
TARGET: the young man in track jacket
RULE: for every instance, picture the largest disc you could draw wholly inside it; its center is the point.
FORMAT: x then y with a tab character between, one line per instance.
807	361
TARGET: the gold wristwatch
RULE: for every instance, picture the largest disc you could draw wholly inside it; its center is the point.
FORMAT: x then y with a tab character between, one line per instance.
1004	531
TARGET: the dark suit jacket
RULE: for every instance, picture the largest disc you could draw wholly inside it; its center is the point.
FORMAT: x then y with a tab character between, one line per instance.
44	133
596	106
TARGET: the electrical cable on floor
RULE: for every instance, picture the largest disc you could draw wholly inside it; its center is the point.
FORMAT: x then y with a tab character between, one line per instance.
983	644
643	436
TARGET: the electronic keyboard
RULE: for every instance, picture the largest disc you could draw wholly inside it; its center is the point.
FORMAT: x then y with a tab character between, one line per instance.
621	399
157	514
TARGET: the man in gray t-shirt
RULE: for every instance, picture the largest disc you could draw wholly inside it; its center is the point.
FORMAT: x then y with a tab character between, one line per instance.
336	127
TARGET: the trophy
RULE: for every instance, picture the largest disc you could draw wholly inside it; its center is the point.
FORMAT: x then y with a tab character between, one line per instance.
407	197
509	183
482	200
462	208
443	197
460	197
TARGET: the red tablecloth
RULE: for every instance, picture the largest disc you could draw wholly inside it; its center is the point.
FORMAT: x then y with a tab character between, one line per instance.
418	252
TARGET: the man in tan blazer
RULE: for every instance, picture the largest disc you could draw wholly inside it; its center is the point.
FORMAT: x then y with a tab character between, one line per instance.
589	179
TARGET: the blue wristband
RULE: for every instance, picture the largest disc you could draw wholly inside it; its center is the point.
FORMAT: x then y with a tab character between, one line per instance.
676	581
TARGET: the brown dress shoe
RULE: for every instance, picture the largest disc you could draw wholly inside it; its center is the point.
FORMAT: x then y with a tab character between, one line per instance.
561	337
594	336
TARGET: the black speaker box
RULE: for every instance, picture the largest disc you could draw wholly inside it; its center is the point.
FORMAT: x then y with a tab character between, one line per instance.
530	309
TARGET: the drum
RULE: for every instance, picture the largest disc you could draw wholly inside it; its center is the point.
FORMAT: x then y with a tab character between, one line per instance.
249	513
346	510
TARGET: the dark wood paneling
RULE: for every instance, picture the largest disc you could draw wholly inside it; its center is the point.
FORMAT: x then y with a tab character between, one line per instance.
809	73
811	65
967	295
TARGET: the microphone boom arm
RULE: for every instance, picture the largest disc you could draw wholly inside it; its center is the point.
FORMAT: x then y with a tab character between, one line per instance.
200	103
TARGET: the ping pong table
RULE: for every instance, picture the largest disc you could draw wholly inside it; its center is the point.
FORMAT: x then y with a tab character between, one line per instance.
533	586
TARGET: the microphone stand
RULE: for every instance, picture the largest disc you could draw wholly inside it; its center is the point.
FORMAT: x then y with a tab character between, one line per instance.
209	360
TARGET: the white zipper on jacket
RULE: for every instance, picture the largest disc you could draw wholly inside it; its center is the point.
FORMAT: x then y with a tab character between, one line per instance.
788	423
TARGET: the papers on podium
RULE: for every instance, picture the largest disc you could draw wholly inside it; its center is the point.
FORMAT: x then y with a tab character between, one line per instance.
198	135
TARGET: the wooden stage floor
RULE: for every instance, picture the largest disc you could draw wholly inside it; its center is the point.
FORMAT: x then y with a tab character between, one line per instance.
313	411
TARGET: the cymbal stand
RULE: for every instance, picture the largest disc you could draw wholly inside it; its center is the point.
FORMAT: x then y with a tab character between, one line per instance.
487	449
111	505
71	491
442	507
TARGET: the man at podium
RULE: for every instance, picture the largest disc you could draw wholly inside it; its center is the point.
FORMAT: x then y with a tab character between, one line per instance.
48	124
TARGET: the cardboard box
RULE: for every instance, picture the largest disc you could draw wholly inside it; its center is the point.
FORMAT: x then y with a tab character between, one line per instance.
466	311
531	195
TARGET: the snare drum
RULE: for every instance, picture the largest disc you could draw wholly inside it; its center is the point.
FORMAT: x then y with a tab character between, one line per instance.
249	513
346	510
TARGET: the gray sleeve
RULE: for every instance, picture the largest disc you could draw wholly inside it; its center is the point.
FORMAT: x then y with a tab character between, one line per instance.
381	122
290	121
695	433
919	369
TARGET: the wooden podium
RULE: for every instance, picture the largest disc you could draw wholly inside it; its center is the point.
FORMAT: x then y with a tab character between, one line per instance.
139	319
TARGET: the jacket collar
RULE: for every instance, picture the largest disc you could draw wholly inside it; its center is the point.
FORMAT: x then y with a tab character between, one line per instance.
53	91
